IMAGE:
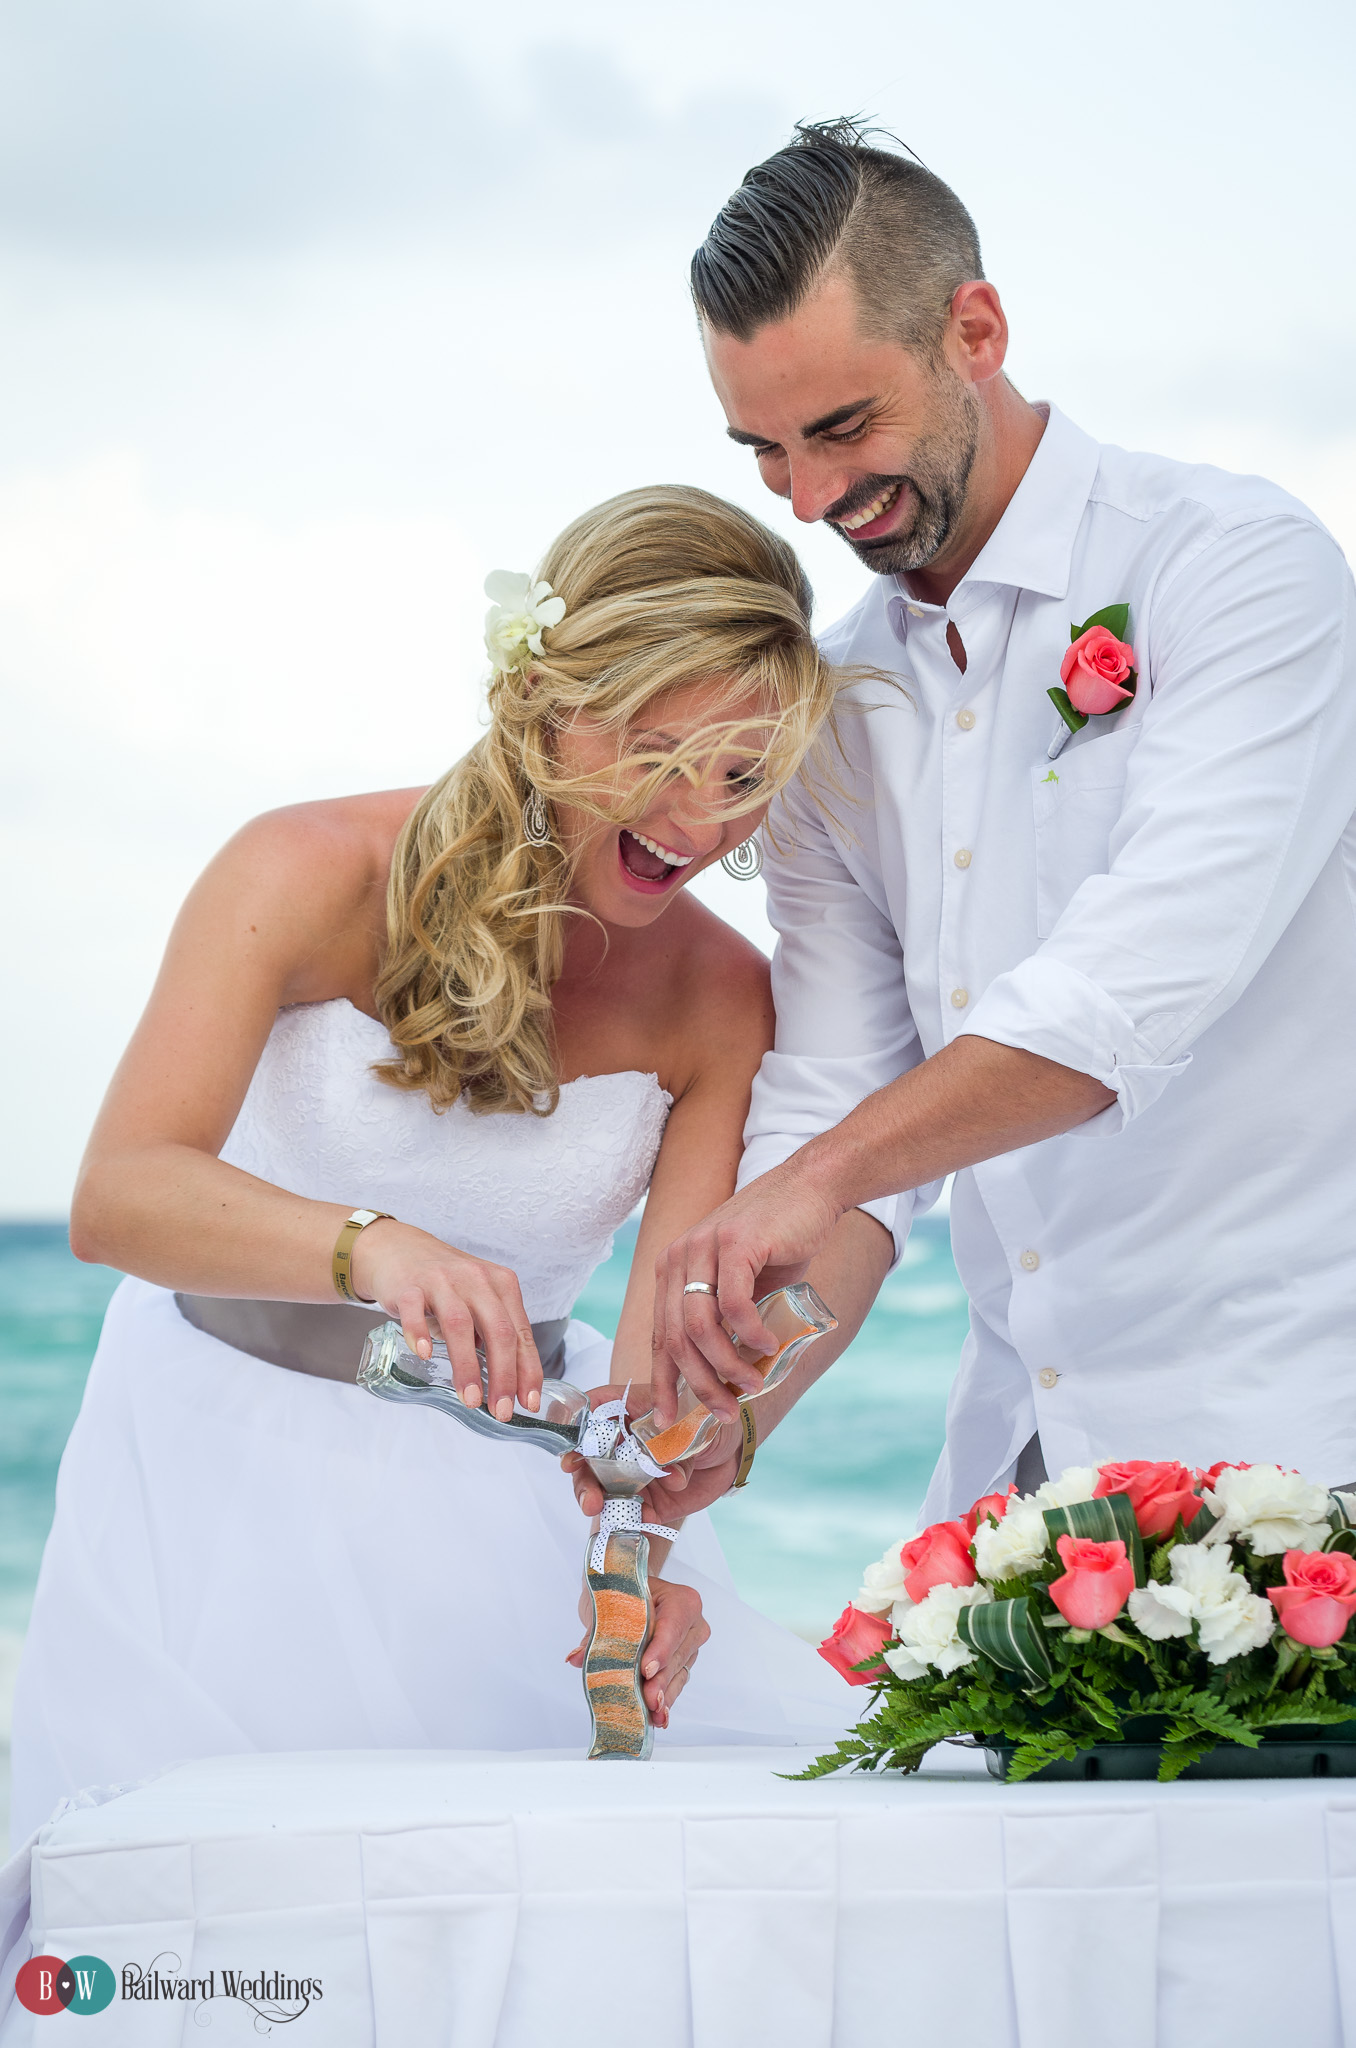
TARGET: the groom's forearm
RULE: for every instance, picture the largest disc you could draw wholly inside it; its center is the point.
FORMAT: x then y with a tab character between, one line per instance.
972	1101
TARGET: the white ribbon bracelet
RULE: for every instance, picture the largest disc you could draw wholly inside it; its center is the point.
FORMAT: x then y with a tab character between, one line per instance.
606	1435
621	1516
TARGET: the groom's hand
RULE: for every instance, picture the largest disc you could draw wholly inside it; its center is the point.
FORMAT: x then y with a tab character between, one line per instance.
764	1237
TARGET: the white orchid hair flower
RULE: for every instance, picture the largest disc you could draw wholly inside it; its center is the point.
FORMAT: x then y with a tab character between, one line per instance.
520	612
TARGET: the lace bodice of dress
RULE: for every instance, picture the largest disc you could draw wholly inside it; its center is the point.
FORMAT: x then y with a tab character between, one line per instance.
540	1194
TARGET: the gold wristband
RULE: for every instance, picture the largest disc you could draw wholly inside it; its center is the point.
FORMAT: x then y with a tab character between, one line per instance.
341	1265
750	1430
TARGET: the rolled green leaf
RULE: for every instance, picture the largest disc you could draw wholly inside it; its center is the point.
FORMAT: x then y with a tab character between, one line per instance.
1075	720
1009	1634
1107	1520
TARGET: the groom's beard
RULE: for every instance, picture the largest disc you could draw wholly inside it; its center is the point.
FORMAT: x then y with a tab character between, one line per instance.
939	481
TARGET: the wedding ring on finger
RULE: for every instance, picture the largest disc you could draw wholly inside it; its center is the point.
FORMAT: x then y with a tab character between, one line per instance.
699	1287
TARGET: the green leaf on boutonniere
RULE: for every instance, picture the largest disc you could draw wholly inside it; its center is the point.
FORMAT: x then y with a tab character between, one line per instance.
1115	617
1075	720
1009	1634
1110	1519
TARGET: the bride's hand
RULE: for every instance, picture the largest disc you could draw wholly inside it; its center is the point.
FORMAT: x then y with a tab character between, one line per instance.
426	1283
675	1640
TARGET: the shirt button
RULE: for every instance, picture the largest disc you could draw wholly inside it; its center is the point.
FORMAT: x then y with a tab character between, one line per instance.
959	998
1029	1261
965	720
1048	1377
962	856
915	611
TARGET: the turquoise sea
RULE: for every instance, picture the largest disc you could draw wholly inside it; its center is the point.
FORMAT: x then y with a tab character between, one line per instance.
842	1477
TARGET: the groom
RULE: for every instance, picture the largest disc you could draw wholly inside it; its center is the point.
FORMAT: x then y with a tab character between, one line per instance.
1100	963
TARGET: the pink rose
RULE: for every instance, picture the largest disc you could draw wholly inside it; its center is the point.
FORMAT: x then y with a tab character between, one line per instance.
1159	1493
1098	1580
1206	1480
995	1504
857	1636
1094	671
939	1557
1318	1598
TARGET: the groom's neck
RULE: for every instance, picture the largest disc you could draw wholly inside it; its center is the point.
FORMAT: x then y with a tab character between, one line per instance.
1009	434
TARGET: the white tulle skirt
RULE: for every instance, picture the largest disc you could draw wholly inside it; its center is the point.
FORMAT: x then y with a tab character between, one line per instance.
247	1559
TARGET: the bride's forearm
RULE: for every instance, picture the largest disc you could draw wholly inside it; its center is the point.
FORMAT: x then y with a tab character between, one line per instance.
176	1216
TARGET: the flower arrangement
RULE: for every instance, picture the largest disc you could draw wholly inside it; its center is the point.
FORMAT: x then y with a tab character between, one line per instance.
1133	1602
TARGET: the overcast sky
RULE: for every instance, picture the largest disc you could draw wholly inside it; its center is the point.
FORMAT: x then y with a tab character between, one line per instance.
314	311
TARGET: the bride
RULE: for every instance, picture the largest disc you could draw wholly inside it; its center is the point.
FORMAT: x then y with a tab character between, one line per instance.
428	1049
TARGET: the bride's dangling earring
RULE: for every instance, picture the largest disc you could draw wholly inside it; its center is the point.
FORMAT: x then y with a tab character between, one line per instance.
536	824
743	863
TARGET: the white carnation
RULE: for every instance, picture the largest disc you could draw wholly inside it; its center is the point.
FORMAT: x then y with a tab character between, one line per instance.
1269	1510
1231	1619
1017	1544
1236	1626
904	1664
930	1632
519	613
1078	1482
882	1584
901	1607
1161	1611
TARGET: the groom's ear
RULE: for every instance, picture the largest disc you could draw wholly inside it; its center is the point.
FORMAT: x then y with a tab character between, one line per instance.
975	340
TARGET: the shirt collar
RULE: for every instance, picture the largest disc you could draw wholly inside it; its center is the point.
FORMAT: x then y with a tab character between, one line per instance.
1031	548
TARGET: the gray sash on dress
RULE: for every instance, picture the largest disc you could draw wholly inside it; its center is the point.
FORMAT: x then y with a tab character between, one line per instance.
317	1338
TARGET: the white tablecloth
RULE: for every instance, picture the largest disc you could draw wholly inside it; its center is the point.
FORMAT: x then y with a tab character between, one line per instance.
492	1901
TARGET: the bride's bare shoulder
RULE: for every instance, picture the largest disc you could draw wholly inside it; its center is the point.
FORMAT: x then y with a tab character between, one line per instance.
336	845
724	993
301	891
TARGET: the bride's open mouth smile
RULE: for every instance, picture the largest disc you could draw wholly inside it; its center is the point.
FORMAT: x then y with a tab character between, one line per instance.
648	867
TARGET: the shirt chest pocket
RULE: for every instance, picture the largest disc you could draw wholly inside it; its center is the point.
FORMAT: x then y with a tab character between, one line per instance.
1077	800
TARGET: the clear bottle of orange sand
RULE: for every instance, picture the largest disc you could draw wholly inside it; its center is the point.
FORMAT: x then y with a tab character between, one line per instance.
795	1316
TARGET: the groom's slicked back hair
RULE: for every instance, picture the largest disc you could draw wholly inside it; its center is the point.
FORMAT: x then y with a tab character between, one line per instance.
830	199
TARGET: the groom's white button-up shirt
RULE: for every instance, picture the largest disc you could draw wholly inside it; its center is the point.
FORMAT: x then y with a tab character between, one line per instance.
1168	903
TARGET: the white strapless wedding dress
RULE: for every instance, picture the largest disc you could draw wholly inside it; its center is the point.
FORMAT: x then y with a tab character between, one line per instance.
245	1558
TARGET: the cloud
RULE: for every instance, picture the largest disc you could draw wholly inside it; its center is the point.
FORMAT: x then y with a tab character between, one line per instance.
201	126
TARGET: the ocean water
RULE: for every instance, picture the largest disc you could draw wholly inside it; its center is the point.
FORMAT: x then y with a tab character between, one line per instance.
841	1478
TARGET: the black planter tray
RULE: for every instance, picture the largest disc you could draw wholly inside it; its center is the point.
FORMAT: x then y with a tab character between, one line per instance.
1330	1753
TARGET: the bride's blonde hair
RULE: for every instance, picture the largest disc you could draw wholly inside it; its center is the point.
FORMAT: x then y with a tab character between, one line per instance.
662	587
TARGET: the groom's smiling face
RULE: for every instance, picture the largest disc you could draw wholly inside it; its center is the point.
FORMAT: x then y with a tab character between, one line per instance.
877	440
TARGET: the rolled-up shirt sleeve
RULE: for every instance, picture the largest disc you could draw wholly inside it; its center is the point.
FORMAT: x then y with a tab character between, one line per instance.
844	1028
1238	790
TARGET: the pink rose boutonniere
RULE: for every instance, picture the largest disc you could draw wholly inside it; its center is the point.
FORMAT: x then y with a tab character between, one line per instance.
1098	672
